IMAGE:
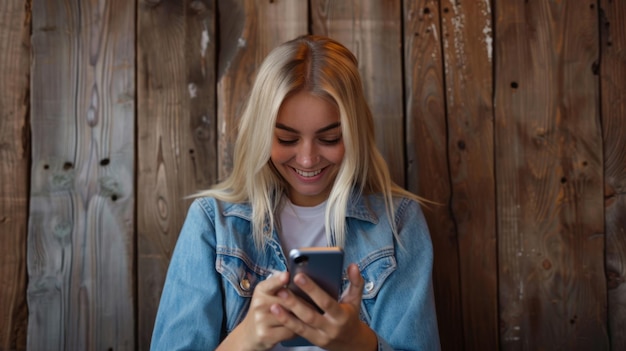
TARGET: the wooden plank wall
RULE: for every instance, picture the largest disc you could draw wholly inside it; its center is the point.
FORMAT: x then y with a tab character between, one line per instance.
509	116
15	20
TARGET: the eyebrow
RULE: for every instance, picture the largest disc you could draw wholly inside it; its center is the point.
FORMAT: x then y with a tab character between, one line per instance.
321	130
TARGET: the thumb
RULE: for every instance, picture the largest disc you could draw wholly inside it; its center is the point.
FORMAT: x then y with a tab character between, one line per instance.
355	290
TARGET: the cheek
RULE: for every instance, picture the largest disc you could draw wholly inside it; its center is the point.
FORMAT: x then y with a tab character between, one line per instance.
337	155
279	154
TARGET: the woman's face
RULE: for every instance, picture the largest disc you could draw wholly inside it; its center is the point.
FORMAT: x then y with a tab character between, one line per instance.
307	149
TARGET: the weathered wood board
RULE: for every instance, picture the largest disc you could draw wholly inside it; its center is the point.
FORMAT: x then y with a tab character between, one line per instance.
548	161
176	121
612	71
14	172
428	173
80	237
468	61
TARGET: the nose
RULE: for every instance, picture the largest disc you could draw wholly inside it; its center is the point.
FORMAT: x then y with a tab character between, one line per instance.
308	155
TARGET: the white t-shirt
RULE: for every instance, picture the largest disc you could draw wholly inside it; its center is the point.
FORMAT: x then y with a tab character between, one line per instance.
301	227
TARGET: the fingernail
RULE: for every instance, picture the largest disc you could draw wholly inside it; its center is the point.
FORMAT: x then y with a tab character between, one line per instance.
283	294
275	309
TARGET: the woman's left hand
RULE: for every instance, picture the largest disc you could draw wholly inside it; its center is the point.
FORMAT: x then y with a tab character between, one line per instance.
339	327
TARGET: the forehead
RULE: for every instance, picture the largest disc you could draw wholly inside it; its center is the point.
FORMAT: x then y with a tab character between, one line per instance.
304	109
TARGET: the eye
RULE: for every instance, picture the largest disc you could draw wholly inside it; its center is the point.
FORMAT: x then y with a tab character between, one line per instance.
287	141
330	141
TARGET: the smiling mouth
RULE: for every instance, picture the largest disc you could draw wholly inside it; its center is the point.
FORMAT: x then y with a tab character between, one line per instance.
308	174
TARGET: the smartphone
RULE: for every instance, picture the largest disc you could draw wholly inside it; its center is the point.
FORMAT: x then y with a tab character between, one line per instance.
321	264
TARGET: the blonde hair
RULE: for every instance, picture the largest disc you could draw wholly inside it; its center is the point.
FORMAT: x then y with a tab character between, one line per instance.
323	67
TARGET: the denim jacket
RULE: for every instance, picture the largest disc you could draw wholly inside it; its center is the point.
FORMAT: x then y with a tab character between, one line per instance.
215	268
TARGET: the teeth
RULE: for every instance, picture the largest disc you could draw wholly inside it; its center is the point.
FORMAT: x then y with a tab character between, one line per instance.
308	174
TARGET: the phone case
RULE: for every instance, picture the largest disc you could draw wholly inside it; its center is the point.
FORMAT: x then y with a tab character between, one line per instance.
322	264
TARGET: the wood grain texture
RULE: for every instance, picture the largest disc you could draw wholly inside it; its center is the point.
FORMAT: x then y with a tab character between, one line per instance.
372	30
468	59
14	160
549	177
613	86
428	173
249	30
81	242
557	91
176	148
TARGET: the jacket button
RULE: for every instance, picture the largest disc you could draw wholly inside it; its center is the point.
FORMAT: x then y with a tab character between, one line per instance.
369	286
244	284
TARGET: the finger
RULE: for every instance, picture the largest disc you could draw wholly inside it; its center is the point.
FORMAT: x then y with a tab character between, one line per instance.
306	321
280	315
320	297
291	322
273	283
355	290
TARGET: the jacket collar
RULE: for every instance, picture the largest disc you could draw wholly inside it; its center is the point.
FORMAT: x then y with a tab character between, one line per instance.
358	208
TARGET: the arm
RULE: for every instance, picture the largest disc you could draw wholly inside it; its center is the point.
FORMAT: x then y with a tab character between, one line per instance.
190	313
404	313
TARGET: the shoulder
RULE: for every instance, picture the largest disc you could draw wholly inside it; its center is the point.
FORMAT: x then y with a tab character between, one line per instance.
375	205
405	206
211	207
217	222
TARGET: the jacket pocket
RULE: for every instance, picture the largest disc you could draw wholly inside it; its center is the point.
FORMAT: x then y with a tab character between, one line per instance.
239	278
239	271
375	271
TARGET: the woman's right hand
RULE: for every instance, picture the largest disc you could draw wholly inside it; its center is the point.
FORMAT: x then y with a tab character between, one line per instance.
260	330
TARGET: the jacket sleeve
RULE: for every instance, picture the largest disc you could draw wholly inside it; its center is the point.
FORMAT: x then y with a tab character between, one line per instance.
412	324
189	315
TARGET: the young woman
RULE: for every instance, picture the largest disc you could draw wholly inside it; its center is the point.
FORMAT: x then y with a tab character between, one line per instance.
307	173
